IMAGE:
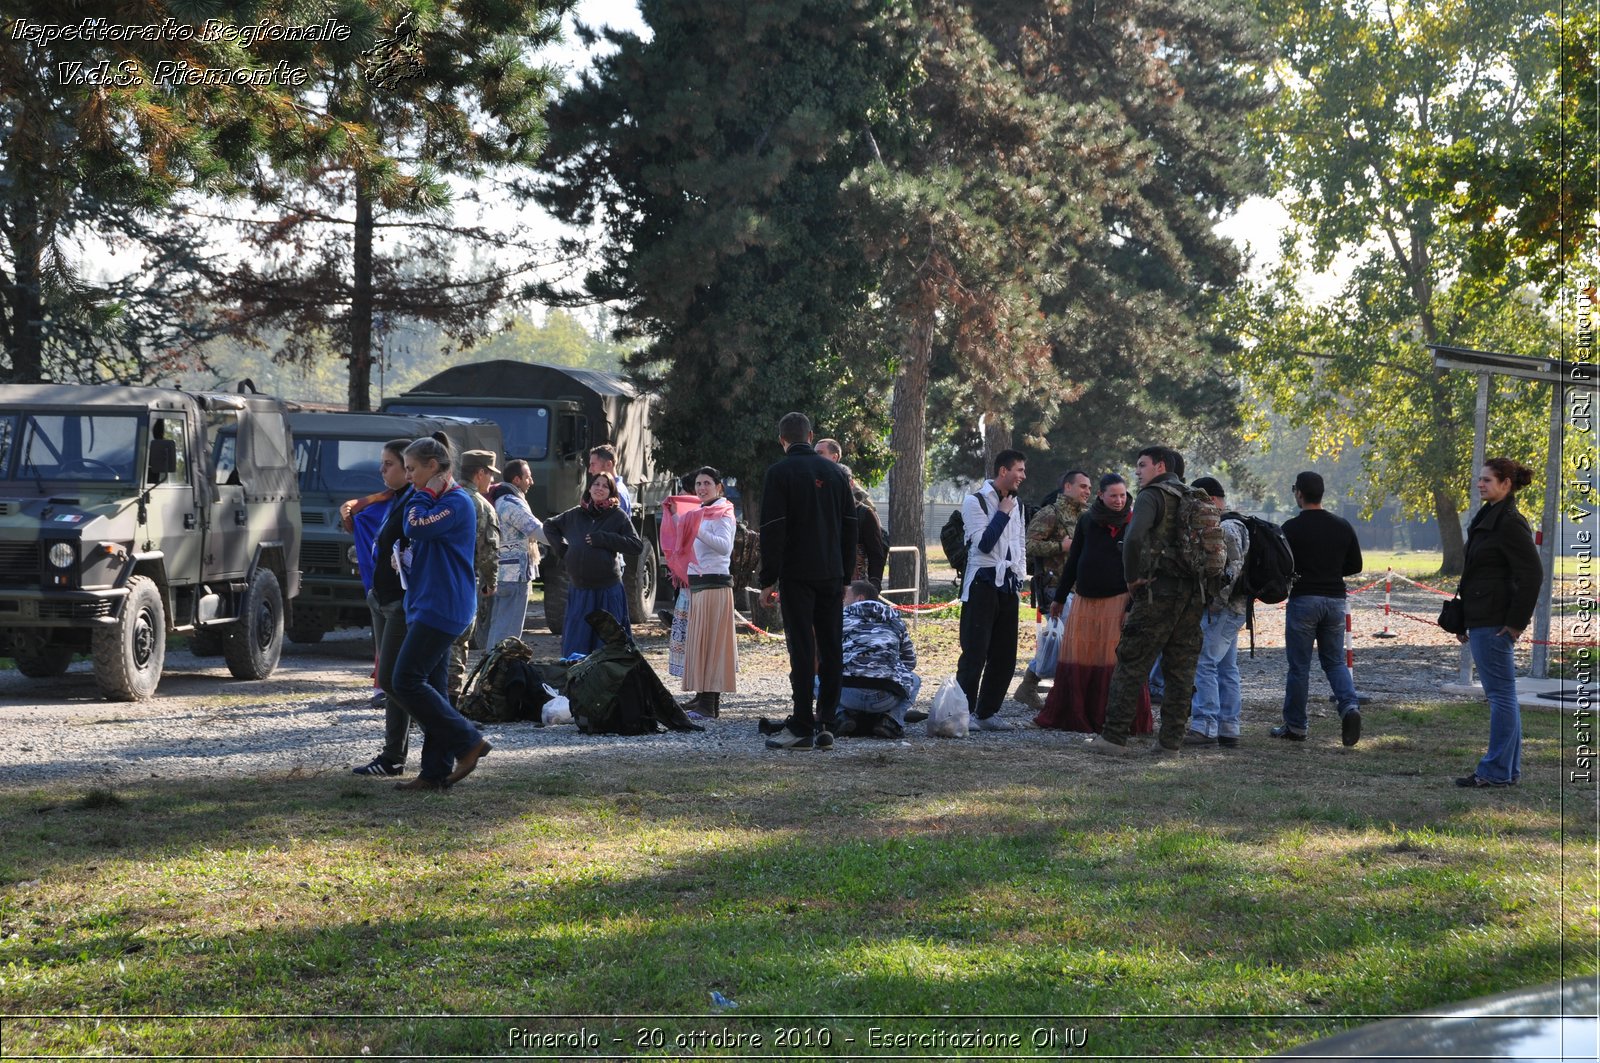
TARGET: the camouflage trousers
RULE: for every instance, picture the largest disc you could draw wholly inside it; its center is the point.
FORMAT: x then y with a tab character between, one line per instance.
458	662
1165	624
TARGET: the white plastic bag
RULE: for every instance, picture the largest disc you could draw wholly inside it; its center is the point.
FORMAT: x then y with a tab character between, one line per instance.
947	716
1045	657
557	710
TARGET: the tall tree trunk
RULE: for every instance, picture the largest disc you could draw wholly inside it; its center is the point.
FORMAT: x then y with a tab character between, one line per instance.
25	344
361	300
1450	541
908	441
996	437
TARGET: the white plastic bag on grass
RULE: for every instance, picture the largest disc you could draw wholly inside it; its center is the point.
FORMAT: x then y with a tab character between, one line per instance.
557	710
947	716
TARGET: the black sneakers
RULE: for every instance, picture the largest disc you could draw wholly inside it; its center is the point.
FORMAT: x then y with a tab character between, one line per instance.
1282	731
1473	782
1350	727
379	766
788	739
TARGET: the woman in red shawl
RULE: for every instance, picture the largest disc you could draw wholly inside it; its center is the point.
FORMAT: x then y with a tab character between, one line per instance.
1093	576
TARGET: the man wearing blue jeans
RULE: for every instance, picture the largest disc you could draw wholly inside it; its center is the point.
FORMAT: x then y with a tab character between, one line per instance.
1214	713
1325	551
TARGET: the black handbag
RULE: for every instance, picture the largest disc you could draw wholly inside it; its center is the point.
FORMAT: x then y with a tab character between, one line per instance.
1452	618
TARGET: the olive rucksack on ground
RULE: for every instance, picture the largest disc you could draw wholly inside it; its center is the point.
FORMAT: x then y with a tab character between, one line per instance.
1197	549
953	537
615	691
505	686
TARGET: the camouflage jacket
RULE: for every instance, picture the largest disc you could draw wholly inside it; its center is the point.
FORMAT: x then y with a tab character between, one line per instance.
486	554
1046	530
876	644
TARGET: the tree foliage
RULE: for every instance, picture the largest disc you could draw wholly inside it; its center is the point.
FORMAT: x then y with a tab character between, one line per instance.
94	148
1045	229
346	243
710	159
1378	99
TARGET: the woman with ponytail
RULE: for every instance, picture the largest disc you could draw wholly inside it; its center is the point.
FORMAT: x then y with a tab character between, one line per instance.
441	524
1499	586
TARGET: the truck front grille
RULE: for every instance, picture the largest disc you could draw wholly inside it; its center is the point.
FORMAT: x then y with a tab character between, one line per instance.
324	558
19	563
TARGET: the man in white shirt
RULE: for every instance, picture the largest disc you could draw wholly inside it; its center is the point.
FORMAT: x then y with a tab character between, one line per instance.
997	565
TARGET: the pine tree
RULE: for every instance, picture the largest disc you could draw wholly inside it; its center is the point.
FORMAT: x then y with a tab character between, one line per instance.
711	158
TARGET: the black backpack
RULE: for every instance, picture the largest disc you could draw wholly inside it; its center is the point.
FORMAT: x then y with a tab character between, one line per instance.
1268	569
1268	564
953	537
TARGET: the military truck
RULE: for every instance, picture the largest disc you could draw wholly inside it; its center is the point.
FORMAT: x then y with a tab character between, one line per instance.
128	514
336	456
551	415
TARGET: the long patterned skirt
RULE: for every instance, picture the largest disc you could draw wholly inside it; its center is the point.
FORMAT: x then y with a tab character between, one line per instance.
680	634
1077	701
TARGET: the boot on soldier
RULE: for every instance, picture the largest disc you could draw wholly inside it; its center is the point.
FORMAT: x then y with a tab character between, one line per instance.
1028	691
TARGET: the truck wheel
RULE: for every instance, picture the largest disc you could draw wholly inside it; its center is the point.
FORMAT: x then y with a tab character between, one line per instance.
47	661
555	596
206	642
255	640
639	584
307	626
128	655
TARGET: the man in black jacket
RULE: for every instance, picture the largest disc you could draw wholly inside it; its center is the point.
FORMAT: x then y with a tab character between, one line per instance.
1325	551
808	552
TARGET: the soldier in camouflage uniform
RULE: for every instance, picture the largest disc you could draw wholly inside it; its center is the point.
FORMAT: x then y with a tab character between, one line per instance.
880	666
477	473
1049	540
1165	616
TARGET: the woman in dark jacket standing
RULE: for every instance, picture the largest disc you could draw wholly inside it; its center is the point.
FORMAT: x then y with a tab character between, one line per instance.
588	538
1093	570
441	596
1499	585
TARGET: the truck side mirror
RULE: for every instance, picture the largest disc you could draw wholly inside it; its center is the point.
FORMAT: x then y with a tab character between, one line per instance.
163	459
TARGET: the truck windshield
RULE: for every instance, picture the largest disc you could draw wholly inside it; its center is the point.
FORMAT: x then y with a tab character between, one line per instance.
70	446
526	428
344	467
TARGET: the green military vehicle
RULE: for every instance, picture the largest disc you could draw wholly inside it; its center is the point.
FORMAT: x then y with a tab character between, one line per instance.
128	514
551	415
336	456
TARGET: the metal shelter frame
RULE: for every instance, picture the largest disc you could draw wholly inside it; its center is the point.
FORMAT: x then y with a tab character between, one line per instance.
1562	375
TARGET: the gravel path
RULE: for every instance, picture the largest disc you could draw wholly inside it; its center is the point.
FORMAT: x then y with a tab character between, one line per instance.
312	717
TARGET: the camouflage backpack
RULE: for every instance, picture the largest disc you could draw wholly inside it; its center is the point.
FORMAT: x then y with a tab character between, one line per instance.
1196	548
497	691
745	563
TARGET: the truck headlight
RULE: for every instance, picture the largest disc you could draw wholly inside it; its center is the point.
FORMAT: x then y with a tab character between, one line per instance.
350	555
62	555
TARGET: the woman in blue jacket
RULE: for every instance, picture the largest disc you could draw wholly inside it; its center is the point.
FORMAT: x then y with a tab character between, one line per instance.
441	602
588	538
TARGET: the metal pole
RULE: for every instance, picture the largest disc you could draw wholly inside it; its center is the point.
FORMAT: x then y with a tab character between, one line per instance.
1548	529
1480	445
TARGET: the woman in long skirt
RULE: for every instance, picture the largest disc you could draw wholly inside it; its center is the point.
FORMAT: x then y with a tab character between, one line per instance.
1093	576
710	653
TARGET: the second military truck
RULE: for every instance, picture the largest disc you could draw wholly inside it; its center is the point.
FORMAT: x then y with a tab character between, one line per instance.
550	416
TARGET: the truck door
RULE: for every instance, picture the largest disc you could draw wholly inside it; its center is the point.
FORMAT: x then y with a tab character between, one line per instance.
174	514
228	538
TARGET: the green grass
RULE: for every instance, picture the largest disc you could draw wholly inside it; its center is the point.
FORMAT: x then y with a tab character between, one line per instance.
1307	881
1424	563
